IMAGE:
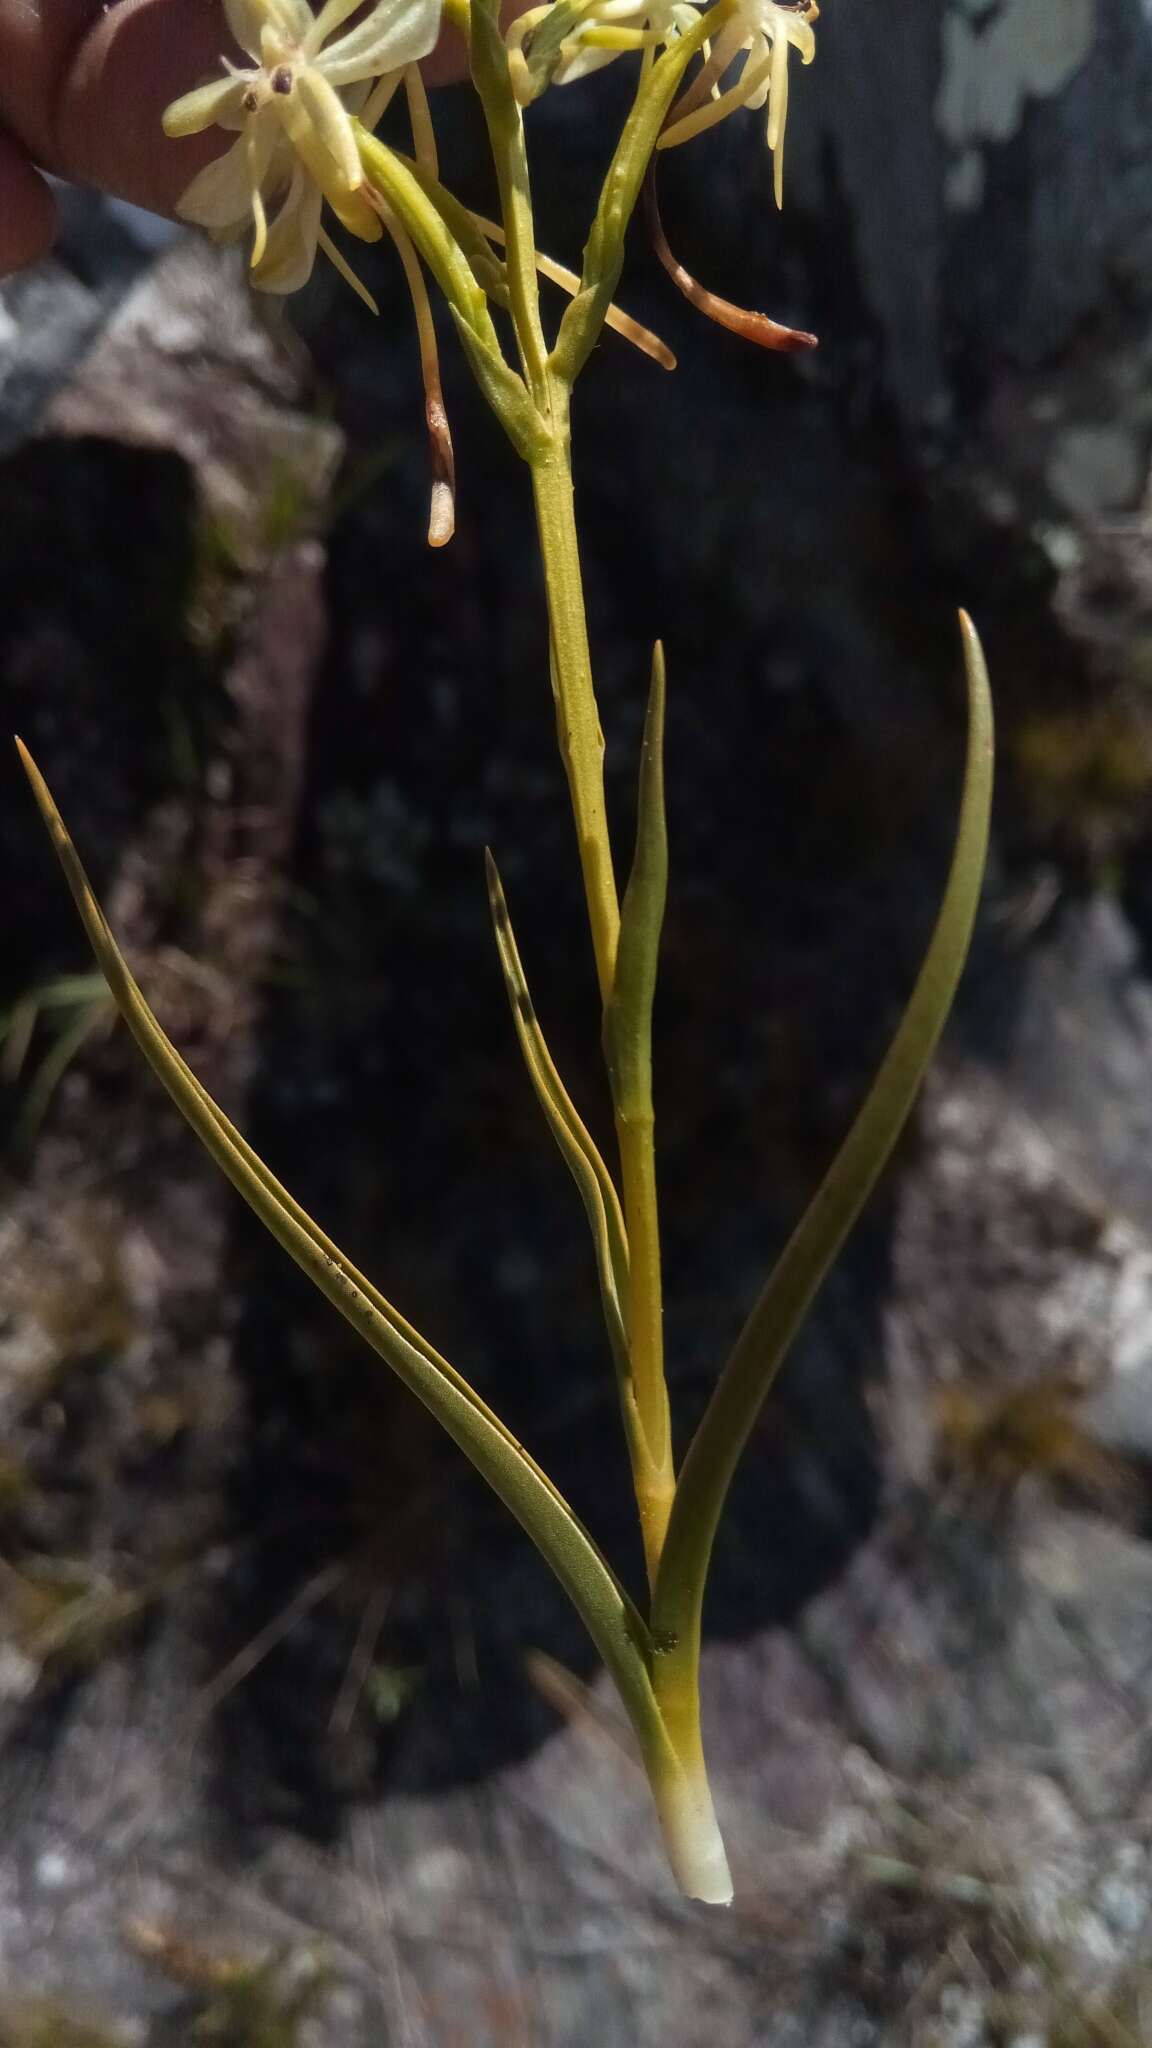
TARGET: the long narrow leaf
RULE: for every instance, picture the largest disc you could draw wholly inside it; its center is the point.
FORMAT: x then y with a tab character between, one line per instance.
628	1012
592	1178
627	1042
610	1616
769	1330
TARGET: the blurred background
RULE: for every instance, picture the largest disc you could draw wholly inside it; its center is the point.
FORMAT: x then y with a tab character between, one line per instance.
299	1745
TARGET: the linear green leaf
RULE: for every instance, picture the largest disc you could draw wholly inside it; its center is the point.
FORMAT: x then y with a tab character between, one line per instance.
584	1163
627	1040
769	1330
609	1614
628	1013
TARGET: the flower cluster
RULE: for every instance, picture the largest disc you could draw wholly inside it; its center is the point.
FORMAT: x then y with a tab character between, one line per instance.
303	109
564	40
757	35
312	75
292	113
567	39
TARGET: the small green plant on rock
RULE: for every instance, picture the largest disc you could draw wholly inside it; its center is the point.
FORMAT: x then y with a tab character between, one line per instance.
238	2001
67	1012
304	111
42	2023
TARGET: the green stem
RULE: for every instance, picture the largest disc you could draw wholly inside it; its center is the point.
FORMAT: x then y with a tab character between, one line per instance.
402	186
678	1777
668	1720
654	1475
629	1051
505	123
577	718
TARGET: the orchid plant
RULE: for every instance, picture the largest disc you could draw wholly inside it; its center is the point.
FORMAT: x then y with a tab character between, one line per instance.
304	113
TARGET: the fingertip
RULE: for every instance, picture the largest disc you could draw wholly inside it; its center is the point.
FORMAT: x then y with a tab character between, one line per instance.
27	210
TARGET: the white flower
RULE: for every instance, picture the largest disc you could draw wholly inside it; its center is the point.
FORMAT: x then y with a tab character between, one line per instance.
292	112
761	32
566	39
764	80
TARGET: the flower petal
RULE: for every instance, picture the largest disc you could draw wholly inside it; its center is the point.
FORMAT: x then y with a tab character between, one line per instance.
315	118
332	16
397	32
778	22
344	269
356	97
221	195
316	125
778	105
207	106
577	61
261	138
802	37
245	20
290	251
291	18
361	219
757	66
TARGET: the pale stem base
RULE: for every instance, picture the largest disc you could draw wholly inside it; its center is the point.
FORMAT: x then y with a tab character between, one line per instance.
691	1834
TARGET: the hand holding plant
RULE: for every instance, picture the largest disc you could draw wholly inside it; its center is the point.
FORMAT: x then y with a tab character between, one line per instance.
303	112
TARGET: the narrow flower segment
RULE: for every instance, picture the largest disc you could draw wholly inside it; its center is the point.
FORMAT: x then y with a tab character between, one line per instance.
292	113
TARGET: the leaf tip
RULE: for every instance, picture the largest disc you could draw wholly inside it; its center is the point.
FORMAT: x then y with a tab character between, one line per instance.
654	717
40	790
496	902
976	675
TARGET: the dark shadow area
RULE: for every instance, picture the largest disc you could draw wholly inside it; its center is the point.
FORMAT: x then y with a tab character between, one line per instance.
99	678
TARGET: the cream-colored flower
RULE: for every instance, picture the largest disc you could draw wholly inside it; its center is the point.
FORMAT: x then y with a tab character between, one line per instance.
292	112
603	29
564	40
760	33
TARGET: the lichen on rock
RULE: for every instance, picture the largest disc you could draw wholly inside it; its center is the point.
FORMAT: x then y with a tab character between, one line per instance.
996	59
